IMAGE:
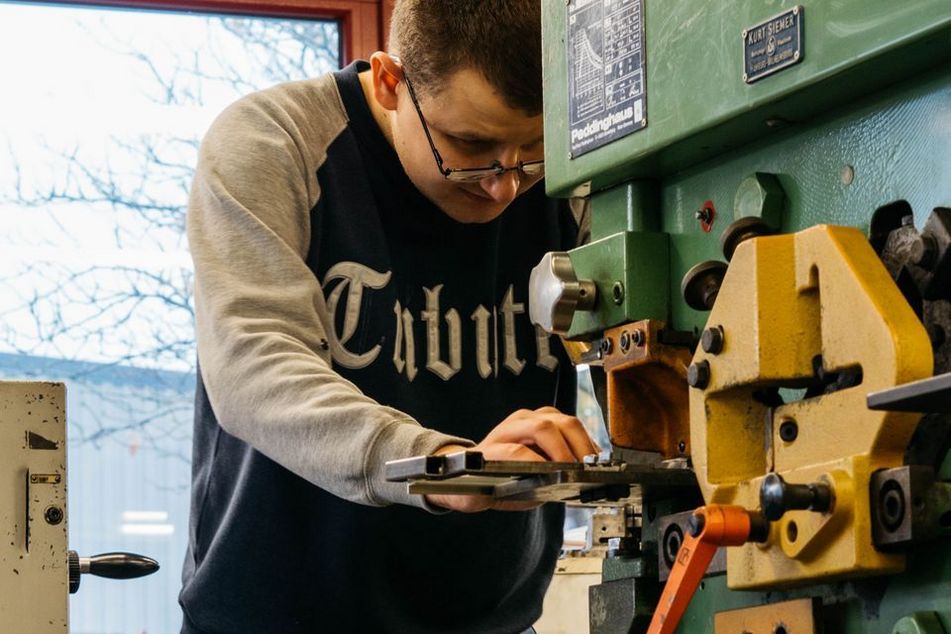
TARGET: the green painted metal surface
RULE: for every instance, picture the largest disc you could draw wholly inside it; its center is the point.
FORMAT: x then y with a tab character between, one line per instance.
630	270
864	121
890	146
698	105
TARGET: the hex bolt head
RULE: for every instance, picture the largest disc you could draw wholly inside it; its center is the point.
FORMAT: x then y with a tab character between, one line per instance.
54	515
638	338
698	374
605	346
712	340
625	341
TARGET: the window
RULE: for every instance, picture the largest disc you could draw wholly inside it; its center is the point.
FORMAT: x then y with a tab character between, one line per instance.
99	129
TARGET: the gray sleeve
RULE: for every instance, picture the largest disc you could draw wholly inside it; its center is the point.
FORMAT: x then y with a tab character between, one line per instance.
260	312
581	210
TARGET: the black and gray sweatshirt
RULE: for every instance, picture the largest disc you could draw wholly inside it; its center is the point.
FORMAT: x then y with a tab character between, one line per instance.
343	321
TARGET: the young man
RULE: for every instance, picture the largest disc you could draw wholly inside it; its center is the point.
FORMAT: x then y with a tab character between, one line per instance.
362	246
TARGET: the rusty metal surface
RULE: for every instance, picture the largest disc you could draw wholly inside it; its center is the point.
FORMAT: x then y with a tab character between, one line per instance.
648	406
794	617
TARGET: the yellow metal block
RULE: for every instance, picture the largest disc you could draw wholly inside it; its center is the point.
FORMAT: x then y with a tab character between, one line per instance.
784	301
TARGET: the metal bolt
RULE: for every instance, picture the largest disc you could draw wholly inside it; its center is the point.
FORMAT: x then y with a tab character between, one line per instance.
891	505
745	77
698	374
638	337
776	497
617	291
625	341
789	430
570	155
605	346
712	340
53	515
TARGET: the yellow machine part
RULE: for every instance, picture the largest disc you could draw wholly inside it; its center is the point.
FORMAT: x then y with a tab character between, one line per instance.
785	300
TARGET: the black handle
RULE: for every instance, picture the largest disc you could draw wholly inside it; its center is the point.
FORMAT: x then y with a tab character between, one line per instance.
121	565
777	497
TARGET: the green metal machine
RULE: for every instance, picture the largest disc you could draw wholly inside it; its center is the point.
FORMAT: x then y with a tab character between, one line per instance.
767	288
768	293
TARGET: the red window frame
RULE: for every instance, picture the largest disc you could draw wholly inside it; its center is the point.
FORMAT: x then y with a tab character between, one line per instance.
363	23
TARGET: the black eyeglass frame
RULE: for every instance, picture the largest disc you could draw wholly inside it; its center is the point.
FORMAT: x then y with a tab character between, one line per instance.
469	174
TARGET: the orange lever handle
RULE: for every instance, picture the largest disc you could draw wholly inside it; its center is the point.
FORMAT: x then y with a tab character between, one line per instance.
711	527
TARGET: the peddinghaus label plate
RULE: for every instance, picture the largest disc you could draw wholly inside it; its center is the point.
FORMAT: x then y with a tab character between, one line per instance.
772	45
607	93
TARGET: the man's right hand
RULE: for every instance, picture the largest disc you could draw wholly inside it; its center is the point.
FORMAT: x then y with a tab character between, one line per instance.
528	436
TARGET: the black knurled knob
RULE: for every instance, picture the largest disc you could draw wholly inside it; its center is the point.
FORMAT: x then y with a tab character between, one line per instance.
75	576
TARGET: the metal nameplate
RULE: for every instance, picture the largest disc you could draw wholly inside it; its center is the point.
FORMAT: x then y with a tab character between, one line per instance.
607	88
772	45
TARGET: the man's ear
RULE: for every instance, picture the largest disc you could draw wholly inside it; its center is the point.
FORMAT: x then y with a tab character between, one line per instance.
386	74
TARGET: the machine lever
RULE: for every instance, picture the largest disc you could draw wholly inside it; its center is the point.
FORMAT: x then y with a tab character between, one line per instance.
710	527
110	565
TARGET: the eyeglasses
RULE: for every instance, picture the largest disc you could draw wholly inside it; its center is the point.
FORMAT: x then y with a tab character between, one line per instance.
470	174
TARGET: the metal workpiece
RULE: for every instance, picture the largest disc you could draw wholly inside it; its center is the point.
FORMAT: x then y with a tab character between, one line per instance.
647	405
556	293
927	396
795	297
592	482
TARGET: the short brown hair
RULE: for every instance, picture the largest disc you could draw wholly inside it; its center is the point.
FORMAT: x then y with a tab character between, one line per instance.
499	38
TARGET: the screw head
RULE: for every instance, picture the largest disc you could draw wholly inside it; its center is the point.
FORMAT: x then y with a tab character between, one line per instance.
712	340
698	374
789	430
638	337
625	341
54	515
617	292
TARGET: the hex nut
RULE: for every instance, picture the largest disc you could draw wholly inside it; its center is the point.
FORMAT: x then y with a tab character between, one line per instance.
698	374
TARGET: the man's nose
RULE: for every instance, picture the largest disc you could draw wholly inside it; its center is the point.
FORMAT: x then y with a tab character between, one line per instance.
502	188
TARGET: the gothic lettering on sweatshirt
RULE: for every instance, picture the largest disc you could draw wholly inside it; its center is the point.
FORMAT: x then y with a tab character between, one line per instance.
497	348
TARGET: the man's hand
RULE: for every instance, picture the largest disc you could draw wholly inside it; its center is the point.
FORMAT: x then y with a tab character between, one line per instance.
527	436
